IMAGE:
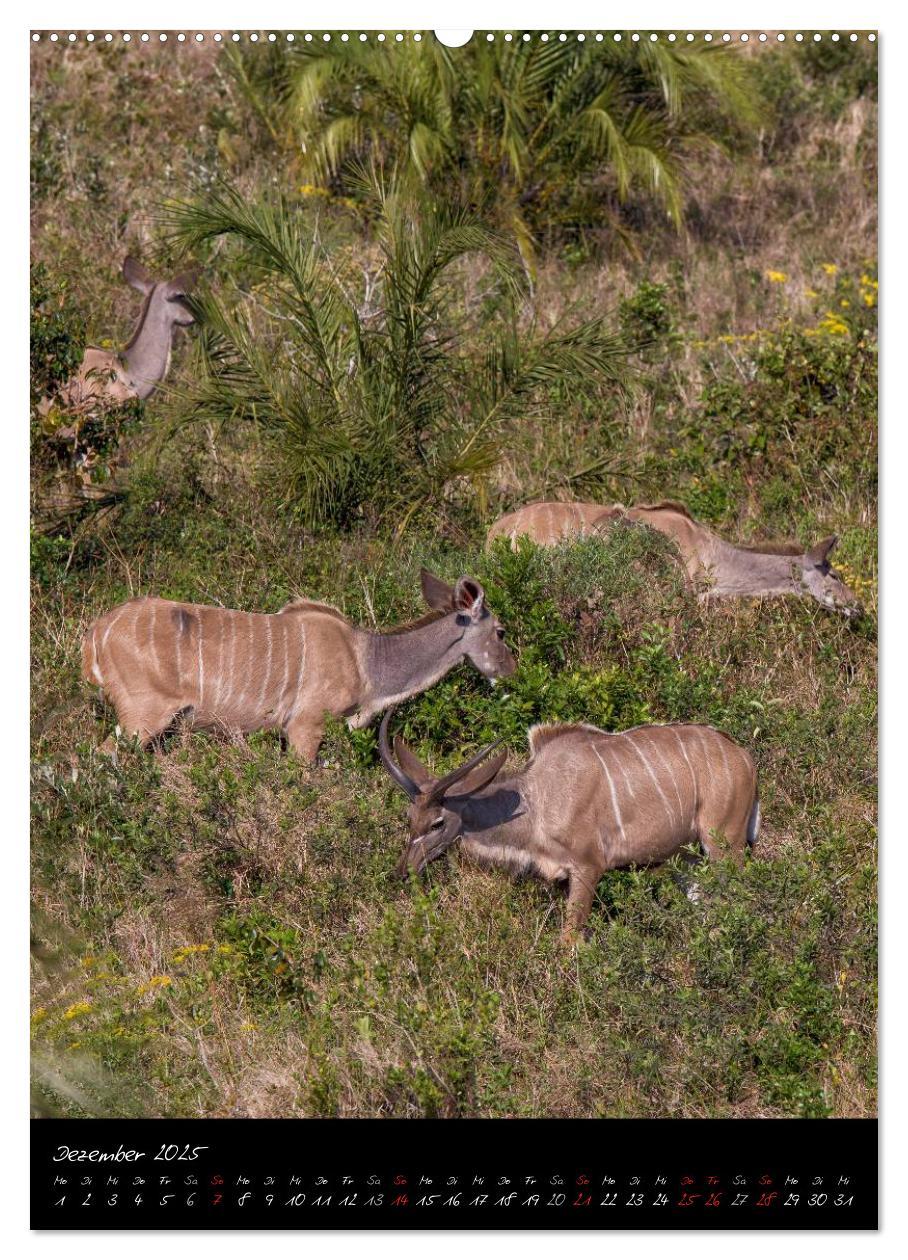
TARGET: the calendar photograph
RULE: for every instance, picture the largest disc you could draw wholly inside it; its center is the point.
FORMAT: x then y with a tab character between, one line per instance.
453	576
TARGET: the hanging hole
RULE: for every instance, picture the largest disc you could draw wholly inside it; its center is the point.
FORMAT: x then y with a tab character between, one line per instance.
453	39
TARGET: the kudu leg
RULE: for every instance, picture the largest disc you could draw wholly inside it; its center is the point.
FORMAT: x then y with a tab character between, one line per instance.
726	842
142	724
581	892
305	734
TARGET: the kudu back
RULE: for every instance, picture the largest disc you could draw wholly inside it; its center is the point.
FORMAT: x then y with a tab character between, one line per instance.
157	658
718	568
587	802
105	375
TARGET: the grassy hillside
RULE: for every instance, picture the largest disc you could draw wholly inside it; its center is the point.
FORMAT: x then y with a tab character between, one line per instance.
217	931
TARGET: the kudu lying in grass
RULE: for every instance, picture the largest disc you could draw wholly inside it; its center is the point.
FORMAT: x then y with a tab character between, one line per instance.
155	659
585	803
143	364
718	567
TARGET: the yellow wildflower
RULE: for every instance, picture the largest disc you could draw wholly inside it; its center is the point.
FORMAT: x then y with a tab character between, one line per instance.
181	954
869	299
77	1008
776	277
248	1026
844	302
831	269
811	293
159	982
39	1013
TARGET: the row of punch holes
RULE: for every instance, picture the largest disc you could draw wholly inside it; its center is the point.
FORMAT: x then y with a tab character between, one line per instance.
217	37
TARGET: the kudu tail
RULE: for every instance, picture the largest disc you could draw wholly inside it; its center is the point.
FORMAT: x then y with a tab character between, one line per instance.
91	671
753	823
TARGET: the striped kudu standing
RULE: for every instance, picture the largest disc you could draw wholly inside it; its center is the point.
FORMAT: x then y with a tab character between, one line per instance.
721	568
145	361
585	803
155	659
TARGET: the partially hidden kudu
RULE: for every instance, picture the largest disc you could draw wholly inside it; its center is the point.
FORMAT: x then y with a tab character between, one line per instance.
587	802
105	375
718	567
156	659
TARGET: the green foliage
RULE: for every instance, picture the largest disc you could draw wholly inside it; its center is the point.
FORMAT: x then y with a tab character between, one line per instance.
548	131
74	450
57	332
647	320
380	391
789	413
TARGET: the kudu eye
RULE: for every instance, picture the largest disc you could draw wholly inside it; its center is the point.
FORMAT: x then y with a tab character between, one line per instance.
500	632
437	825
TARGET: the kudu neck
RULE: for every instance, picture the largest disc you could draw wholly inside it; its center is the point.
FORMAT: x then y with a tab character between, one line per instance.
740	572
147	356
400	665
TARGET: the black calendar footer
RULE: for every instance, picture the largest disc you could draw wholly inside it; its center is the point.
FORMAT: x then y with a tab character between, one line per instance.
454	1174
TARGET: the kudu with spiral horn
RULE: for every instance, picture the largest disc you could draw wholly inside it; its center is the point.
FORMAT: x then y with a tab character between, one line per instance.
587	802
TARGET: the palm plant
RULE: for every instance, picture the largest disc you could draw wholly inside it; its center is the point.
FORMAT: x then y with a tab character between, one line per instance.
524	123
382	386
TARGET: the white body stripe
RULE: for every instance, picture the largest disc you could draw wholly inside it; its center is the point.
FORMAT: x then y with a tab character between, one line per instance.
652	775
201	668
654	744
611	786
266	676
178	649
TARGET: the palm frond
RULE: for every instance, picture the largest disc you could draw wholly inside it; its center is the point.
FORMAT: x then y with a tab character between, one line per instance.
382	391
517	118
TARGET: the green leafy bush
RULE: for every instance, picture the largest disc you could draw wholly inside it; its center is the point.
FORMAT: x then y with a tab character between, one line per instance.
57	332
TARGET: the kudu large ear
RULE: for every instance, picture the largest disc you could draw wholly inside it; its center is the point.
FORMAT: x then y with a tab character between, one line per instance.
135	275
469	597
437	594
184	283
411	765
446	786
482	776
818	556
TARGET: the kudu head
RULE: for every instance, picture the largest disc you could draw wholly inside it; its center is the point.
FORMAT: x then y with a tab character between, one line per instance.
435	814
820	580
164	298
482	637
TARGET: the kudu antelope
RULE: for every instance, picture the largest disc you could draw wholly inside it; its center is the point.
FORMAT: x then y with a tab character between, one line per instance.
585	803
156	658
145	361
719	568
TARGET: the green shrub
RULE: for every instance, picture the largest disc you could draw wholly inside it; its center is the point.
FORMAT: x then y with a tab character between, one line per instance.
57	334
